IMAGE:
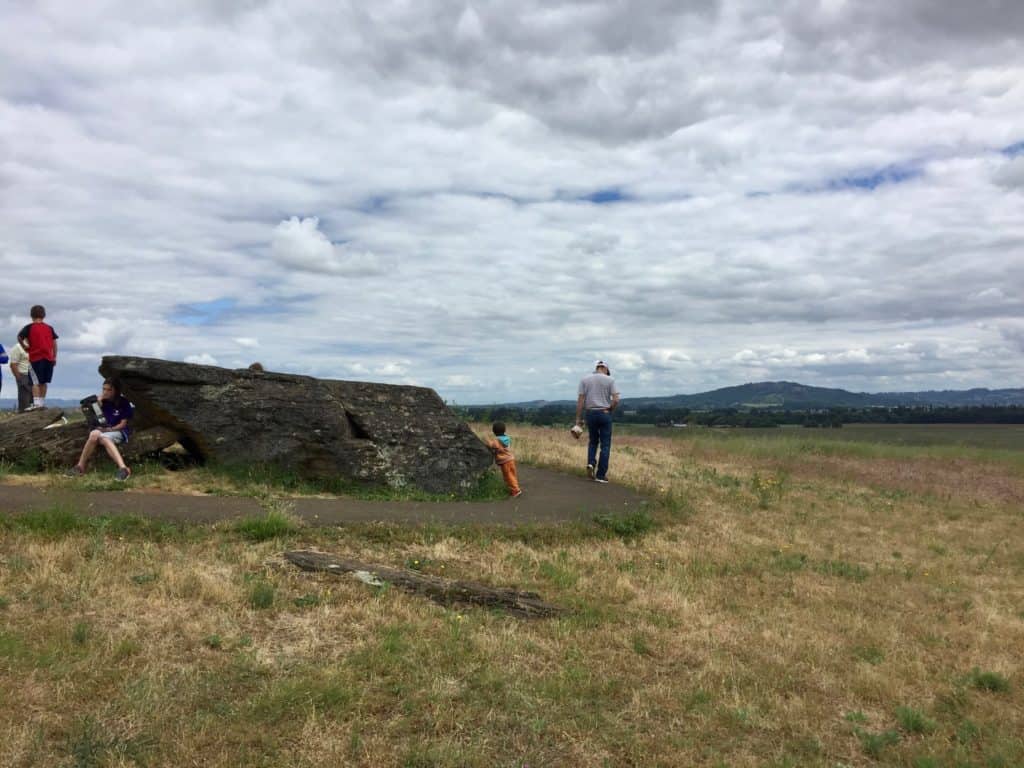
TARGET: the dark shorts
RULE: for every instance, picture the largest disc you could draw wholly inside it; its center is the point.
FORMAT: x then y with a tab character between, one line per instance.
42	372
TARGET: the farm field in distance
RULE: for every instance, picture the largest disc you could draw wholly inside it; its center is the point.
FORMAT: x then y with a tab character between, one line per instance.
795	597
1008	437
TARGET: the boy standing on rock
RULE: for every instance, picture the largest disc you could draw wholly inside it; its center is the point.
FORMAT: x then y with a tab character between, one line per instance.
42	354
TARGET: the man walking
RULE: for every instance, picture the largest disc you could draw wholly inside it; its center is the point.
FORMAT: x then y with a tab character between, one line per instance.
598	396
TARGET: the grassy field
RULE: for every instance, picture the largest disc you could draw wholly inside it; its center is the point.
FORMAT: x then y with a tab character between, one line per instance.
791	601
1007	437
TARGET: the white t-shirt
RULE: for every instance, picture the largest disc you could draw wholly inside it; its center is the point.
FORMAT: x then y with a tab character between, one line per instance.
19	359
598	389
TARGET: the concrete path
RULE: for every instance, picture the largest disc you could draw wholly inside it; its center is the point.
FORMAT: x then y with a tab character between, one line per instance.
548	497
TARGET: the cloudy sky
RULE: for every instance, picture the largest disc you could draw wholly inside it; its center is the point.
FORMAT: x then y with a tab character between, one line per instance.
486	197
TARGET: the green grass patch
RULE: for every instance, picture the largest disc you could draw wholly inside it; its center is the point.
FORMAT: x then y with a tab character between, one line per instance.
309	600
91	744
27	463
870	653
293	698
261	595
273	524
55	521
80	633
989	681
874	744
788	562
62	519
843	570
629	526
559	573
914	720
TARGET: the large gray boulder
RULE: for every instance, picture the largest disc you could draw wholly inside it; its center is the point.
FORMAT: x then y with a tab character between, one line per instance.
362	432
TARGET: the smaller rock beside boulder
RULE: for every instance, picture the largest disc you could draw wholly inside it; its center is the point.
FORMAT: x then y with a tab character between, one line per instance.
39	439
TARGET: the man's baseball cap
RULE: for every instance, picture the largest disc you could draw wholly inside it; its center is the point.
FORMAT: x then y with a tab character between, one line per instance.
602	364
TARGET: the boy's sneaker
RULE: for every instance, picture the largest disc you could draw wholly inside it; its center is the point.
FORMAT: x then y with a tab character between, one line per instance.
517	494
123	474
600	479
75	471
590	471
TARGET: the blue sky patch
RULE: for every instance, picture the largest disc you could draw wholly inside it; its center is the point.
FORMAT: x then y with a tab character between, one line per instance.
605	196
217	311
374	204
891	174
203	312
1014	149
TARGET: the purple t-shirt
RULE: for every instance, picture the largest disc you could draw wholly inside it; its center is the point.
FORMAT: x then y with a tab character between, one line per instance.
117	410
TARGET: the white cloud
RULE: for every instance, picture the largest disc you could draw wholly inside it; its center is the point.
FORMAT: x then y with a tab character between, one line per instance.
821	191
392	368
1011	174
201	359
299	244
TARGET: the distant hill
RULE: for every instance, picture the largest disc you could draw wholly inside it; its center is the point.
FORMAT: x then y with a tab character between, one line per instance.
788	395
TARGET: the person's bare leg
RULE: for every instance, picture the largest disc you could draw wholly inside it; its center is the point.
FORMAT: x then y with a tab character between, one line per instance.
112	451
88	449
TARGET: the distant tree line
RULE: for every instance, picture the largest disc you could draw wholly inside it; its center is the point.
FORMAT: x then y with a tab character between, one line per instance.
555	415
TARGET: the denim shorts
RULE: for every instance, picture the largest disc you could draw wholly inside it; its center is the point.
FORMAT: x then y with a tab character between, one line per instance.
116	437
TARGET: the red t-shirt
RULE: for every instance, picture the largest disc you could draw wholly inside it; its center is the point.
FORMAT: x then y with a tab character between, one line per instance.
41	338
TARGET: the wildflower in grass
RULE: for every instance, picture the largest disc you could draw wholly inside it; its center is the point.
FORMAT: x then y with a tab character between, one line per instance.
768	490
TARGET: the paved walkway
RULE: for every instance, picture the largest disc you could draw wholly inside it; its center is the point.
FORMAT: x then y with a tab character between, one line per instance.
548	497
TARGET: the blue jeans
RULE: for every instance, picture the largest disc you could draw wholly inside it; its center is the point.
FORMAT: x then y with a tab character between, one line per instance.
599	427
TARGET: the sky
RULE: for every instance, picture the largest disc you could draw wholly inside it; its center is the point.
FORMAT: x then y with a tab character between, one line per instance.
485	198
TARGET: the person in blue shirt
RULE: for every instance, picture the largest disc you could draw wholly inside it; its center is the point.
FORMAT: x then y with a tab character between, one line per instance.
117	412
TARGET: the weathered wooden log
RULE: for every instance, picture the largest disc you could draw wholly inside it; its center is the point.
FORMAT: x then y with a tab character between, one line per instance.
40	439
527	605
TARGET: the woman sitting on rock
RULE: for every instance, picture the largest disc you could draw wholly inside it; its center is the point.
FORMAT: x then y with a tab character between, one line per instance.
117	413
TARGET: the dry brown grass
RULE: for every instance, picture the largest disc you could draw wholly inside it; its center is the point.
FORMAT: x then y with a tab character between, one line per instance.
747	630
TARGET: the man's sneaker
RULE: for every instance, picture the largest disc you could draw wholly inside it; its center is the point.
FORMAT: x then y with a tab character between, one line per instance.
75	471
600	480
123	474
33	407
517	494
590	471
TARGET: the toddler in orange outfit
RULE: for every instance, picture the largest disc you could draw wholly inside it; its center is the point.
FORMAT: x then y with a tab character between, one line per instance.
501	448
